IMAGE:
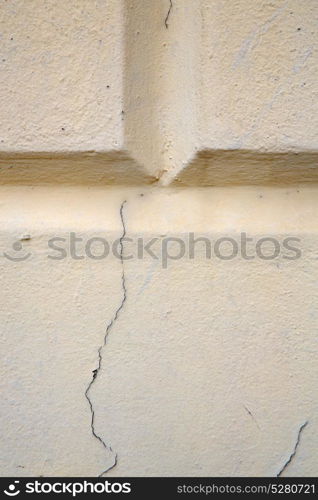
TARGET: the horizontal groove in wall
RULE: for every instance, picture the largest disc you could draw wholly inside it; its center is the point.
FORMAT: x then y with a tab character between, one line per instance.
207	168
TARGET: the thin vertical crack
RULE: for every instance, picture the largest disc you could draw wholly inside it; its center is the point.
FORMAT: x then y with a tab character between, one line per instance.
108	328
168	15
294	451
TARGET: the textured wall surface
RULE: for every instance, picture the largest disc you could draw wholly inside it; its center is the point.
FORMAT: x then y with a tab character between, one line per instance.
133	123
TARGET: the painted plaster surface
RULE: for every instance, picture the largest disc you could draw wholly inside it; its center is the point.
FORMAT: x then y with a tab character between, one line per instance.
113	92
134	121
210	367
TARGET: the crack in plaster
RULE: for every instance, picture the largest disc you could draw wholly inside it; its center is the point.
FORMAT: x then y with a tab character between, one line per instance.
108	328
252	416
168	15
292	455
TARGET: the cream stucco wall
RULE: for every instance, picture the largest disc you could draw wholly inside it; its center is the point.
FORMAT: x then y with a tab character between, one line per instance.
122	122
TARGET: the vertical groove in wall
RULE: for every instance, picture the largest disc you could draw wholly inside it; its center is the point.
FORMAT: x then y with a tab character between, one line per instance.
160	82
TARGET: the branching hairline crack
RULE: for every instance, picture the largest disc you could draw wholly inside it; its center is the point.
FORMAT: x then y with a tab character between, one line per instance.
168	15
108	328
301	428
